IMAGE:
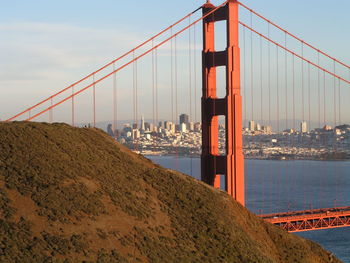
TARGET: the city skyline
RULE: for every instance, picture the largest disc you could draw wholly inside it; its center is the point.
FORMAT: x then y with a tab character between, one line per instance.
52	62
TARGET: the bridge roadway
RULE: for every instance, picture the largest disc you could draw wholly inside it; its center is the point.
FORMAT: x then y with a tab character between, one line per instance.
308	220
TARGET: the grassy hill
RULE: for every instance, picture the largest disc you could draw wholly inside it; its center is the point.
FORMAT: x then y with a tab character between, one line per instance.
74	195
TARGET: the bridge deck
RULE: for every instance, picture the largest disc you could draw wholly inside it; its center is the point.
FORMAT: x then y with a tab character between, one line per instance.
311	219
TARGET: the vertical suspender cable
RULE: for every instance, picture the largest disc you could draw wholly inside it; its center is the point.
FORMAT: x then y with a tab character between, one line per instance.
319	90
190	84
176	101
336	177
278	117
153	90
251	68
324	97
176	83
312	196
114	101
195	71
190	67
303	117
245	75
339	101
133	90
94	99
72	106
252	93
286	78
172	76
269	88
309	95
286	109
302	84
277	91
335	96
136	95
293	110
261	81
319	114
261	117
156	82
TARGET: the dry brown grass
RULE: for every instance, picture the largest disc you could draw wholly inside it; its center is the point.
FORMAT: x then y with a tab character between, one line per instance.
74	195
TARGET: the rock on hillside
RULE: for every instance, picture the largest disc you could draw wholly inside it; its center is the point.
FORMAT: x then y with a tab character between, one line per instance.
73	195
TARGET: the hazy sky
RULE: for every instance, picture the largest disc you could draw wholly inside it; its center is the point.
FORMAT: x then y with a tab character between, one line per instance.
47	45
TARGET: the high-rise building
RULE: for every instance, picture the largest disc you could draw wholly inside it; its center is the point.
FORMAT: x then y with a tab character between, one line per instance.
142	123
184	118
135	134
252	125
303	127
258	127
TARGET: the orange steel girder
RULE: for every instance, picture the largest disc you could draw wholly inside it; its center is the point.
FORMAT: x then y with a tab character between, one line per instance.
232	163
311	219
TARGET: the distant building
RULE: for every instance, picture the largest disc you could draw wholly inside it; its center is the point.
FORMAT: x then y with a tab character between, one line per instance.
303	127
167	125
135	134
184	118
258	127
327	127
183	127
289	131
143	124
252	125
197	127
172	127
267	129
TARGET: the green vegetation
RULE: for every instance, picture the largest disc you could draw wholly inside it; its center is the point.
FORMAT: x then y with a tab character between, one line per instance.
74	195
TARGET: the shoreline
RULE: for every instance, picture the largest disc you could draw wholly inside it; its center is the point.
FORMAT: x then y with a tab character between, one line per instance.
249	158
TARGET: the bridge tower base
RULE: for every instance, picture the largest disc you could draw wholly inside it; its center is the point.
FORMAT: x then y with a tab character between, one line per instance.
231	164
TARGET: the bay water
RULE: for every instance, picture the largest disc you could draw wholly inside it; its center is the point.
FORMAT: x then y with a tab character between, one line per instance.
282	186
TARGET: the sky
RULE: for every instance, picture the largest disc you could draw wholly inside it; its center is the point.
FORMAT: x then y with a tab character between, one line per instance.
47	45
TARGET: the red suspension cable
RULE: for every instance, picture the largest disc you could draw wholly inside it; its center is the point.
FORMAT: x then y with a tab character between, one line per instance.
128	63
295	54
107	65
292	35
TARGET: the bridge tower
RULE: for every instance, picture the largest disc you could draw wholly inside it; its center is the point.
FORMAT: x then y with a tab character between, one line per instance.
231	164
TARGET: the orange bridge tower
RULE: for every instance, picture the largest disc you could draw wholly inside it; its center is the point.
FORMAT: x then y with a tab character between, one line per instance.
231	164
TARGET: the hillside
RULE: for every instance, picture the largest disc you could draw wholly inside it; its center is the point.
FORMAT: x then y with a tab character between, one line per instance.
73	195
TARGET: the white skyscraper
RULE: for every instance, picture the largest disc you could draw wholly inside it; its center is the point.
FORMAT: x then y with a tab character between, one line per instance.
252	125
183	127
303	127
142	123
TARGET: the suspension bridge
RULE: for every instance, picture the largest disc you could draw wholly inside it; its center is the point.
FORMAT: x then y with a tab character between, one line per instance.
250	70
